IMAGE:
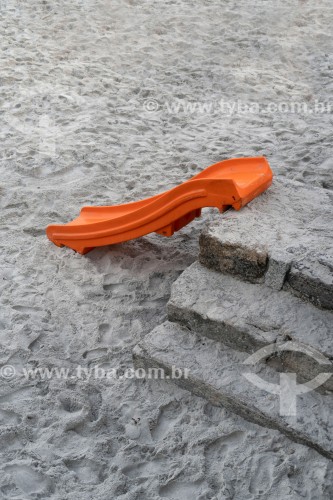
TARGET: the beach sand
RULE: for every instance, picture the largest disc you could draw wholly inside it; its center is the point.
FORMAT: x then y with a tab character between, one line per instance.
101	104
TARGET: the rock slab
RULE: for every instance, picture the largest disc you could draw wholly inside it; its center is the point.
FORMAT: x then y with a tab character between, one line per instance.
283	238
219	374
248	317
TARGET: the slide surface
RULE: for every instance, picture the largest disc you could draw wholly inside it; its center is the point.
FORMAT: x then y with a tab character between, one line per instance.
229	183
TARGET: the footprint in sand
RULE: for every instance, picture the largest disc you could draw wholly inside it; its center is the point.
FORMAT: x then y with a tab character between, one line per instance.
225	444
262	475
28	480
8	417
185	491
168	417
70	403
145	469
87	471
216	453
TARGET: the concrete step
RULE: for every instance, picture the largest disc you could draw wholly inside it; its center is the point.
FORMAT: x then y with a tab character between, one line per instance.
248	317
217	373
283	238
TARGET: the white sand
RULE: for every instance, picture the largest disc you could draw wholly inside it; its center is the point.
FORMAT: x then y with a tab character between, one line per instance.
74	79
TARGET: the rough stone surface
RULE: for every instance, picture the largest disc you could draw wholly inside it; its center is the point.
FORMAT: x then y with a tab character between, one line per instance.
248	316
216	373
283	238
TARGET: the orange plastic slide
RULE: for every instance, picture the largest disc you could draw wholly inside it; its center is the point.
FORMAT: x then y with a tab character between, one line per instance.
229	183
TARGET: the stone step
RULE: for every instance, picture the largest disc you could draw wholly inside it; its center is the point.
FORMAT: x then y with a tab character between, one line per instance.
248	317
283	238
220	375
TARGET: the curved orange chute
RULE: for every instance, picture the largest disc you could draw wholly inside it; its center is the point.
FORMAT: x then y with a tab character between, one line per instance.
229	183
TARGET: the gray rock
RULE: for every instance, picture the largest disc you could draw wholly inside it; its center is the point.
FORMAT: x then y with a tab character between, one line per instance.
221	375
247	317
277	269
283	238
